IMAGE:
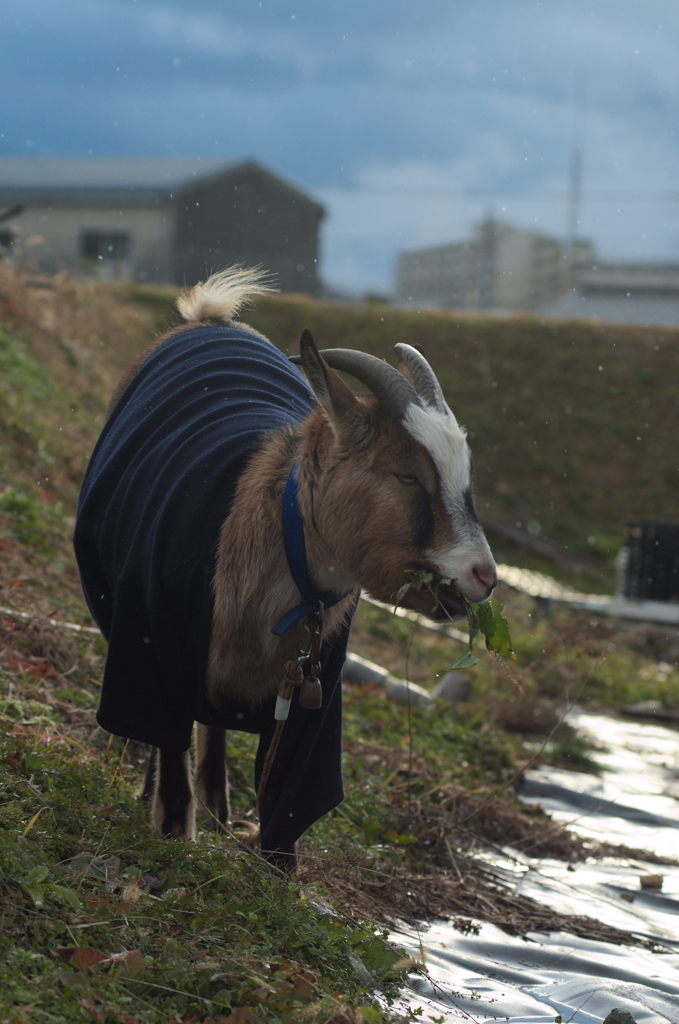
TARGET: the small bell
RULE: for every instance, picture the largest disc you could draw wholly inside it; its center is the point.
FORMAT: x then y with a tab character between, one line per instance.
311	693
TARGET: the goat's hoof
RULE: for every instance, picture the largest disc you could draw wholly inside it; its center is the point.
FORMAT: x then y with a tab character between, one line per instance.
176	830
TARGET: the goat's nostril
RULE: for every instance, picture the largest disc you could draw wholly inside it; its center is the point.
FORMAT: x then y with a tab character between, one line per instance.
485	578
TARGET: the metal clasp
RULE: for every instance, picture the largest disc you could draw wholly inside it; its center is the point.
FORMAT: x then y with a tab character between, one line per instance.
310	650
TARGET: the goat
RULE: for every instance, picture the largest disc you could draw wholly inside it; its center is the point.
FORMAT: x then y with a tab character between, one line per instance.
184	563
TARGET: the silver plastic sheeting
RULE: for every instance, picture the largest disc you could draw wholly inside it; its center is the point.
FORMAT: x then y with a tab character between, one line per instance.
496	976
537	584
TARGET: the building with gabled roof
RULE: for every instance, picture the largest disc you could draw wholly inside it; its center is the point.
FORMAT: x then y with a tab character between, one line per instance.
164	219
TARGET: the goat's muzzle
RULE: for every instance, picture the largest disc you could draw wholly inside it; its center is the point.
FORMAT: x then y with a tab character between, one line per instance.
437	600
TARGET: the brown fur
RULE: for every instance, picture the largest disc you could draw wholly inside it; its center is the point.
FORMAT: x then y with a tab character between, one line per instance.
363	528
210	779
252	585
358	519
173	810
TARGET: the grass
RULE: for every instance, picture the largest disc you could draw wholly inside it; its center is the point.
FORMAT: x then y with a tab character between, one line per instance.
99	915
571	421
100	920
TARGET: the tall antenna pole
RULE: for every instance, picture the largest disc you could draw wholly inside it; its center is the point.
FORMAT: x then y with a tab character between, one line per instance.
575	175
487	260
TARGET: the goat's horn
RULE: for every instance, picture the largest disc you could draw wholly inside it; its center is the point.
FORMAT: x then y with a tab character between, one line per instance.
422	376
390	388
393	391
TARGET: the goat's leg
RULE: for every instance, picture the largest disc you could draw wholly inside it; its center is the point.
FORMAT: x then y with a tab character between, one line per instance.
211	780
173	810
284	860
149	784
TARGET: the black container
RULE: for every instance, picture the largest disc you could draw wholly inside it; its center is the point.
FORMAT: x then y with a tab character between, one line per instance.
652	562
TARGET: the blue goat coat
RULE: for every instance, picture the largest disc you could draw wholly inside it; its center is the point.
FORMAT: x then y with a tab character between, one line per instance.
159	484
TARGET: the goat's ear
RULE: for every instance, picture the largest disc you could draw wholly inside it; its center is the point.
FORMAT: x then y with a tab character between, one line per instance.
403	368
404	371
340	403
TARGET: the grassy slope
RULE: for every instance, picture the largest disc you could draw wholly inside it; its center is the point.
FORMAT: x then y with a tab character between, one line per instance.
572	423
215	929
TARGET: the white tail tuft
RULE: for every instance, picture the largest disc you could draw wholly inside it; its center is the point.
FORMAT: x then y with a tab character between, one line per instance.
223	294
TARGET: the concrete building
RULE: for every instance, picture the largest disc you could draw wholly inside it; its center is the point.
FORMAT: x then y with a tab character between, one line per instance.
504	269
172	220
642	293
500	268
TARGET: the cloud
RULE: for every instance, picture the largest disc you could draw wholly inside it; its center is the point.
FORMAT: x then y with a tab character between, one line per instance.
408	118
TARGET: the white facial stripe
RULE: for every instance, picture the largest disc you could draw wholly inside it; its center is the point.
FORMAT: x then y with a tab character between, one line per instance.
457	563
445	441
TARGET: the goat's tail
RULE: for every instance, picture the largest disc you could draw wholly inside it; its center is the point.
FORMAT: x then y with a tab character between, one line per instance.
223	294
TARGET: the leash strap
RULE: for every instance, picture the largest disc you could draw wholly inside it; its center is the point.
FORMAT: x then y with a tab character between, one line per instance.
292	677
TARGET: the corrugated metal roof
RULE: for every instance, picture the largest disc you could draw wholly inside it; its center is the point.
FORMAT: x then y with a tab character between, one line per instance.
121	181
630	278
109	173
660	311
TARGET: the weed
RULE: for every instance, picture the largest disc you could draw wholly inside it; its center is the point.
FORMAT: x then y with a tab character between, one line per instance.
30	519
99	913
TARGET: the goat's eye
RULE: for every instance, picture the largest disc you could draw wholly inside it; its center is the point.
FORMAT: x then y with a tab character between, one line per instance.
407	479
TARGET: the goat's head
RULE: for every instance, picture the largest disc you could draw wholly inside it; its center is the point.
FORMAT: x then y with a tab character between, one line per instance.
391	488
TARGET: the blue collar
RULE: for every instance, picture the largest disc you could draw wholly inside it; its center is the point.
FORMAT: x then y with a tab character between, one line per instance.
293	539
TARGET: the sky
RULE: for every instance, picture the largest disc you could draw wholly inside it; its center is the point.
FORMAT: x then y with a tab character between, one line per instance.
409	121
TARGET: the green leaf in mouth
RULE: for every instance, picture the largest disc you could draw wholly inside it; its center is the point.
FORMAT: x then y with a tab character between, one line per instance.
491	622
485	617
